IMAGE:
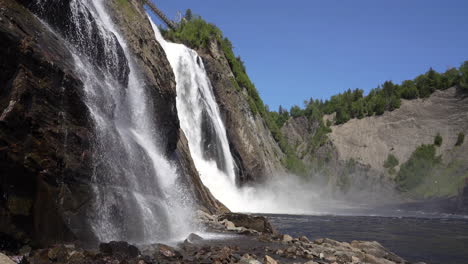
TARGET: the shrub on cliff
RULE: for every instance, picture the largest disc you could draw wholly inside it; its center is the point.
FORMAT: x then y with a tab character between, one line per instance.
421	163
460	139
438	140
391	162
195	33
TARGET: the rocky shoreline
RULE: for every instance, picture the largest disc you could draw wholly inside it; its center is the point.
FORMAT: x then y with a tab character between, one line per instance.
248	240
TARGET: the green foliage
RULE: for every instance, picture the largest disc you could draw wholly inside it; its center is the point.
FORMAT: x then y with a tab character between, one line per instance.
421	163
438	140
463	77
296	111
408	90
391	162
387	97
195	33
188	14
280	117
320	137
460	139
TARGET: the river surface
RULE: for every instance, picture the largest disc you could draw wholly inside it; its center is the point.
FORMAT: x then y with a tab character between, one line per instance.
434	240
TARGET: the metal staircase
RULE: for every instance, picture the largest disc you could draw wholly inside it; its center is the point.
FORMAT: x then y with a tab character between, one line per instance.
160	14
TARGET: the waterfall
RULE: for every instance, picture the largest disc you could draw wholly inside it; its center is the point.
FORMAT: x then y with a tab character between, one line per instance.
200	119
138	194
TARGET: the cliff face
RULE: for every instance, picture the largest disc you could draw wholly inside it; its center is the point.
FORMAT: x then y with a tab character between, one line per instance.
352	155
370	140
45	127
255	151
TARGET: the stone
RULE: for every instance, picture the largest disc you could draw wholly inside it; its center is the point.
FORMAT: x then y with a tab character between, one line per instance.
286	238
5	259
25	250
244	260
304	239
193	238
311	262
166	251
229	225
257	223
76	257
58	253
269	260
292	249
119	249
205	217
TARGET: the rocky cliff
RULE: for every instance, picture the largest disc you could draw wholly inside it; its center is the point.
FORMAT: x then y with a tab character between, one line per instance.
357	150
46	134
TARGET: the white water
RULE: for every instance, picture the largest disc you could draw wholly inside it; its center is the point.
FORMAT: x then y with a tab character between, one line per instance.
282	194
138	194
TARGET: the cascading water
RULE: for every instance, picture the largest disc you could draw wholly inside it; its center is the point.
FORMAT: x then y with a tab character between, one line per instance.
201	121
138	196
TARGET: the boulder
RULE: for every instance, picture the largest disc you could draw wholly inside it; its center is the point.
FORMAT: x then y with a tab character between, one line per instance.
257	223
119	249
193	238
269	260
165	252
5	260
286	238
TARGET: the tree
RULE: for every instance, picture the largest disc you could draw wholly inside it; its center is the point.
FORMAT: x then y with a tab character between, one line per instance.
295	111
463	80
408	90
188	14
438	140
421	163
449	78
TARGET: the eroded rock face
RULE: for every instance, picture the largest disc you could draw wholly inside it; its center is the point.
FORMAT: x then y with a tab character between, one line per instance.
400	132
44	130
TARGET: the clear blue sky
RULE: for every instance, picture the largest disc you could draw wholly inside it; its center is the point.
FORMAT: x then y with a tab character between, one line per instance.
299	49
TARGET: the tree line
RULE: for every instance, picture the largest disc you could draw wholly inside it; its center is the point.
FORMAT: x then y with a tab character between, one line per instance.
386	97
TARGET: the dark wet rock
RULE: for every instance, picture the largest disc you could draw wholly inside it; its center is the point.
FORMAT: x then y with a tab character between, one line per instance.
58	253
161	251
40	107
193	238
257	223
46	148
119	249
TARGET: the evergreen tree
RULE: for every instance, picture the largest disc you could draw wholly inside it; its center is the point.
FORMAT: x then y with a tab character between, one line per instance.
188	14
463	79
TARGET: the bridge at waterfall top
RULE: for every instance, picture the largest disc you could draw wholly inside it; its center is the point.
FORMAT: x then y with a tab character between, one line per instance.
160	14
